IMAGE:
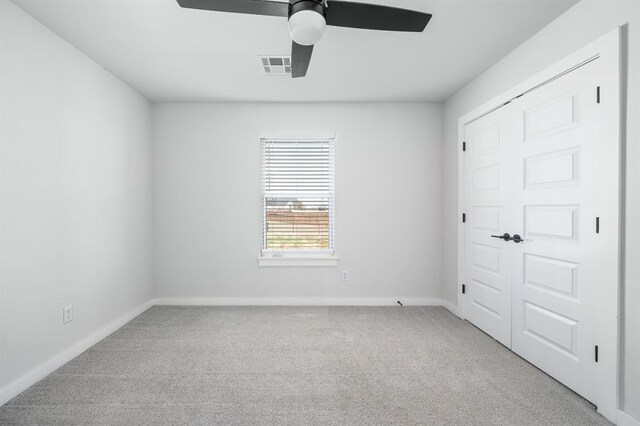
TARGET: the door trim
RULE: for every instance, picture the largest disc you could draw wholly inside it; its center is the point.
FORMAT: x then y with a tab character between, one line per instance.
606	50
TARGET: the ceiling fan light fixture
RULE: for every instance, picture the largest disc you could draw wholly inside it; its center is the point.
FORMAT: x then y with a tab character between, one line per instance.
307	27
309	18
307	22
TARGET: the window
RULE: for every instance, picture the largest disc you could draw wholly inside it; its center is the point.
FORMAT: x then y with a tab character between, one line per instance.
298	188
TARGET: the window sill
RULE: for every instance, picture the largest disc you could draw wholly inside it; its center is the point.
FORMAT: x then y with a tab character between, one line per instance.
297	261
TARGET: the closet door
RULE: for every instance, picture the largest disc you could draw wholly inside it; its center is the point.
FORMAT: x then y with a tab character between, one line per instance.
554	206
488	175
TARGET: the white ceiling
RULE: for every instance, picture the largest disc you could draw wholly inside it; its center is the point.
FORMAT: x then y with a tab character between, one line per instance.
173	54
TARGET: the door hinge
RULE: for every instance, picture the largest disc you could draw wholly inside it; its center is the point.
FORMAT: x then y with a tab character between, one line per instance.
596	353
464	146
597	225
598	94
464	289
464	217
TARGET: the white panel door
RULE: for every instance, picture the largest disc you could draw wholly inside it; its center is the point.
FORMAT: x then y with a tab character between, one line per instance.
554	207
487	184
546	167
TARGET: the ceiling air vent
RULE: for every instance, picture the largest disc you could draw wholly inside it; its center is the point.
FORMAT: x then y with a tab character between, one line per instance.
276	65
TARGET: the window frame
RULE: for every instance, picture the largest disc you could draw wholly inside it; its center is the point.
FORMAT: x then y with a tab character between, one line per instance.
293	257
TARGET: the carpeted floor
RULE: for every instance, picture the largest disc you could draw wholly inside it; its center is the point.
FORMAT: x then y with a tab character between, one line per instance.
298	366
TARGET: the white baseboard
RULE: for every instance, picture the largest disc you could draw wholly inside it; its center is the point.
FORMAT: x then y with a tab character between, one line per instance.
43	370
296	301
451	307
626	420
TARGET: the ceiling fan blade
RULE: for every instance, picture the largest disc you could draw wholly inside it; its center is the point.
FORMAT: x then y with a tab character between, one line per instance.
253	7
300	58
375	17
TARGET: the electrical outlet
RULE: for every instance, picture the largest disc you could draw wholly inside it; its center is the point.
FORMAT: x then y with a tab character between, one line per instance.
345	275
67	314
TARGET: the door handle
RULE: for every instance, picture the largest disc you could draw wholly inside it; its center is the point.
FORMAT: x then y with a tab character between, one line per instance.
504	236
516	238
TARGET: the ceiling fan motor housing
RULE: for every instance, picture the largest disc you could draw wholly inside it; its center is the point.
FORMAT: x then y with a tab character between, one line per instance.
307	21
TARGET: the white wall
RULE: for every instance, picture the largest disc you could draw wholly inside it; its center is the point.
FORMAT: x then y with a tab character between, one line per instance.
75	196
207	200
585	22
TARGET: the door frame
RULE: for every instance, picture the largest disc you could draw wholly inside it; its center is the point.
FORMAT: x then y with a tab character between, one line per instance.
607	52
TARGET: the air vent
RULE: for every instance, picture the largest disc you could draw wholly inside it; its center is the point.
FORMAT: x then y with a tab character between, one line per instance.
276	65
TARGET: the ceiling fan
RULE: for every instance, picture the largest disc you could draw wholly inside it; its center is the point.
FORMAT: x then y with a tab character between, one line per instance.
308	19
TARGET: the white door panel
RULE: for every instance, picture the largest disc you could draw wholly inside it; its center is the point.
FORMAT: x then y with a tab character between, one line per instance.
545	164
525	173
487	261
554	206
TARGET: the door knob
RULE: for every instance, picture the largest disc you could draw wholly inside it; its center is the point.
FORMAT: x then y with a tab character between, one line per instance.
504	236
516	238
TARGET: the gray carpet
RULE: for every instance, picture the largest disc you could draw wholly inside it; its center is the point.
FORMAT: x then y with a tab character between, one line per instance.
298	366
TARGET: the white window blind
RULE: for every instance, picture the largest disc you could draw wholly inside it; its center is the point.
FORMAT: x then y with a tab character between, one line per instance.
298	185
